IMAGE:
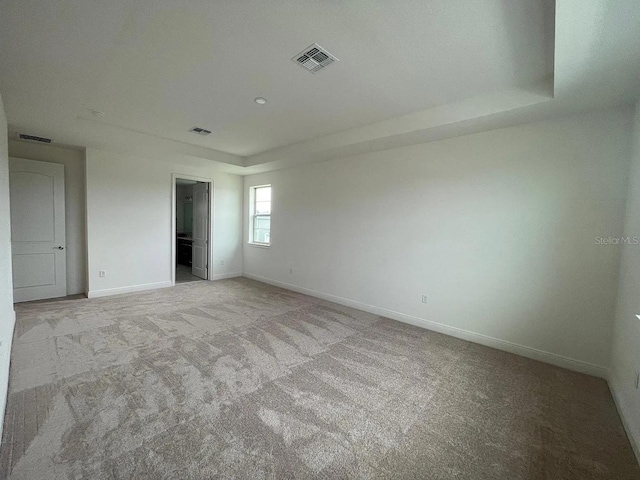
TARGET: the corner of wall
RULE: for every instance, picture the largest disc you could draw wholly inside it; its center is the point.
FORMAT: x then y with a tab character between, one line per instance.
87	278
625	344
625	414
5	361
7	313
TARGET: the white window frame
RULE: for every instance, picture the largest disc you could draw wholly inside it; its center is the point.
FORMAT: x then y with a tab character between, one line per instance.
253	215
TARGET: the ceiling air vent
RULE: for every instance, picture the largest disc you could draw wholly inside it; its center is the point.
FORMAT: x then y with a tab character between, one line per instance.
33	138
314	58
200	131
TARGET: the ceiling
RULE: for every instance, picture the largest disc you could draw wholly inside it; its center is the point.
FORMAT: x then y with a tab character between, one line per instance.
409	71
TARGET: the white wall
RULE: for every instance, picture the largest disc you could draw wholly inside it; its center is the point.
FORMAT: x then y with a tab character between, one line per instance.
129	214
625	359
7	317
497	228
74	197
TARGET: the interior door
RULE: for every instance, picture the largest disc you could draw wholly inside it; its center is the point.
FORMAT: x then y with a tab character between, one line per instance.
200	249
37	229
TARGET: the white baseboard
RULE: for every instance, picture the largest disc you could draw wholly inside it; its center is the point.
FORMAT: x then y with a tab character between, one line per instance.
5	360
635	443
129	289
222	276
522	350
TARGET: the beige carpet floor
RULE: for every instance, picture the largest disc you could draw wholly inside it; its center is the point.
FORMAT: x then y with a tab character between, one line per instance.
237	379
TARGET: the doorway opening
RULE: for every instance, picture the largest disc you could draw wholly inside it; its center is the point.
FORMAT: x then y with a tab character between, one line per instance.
192	220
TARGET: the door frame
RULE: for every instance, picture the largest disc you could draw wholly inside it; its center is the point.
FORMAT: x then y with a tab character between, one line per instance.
209	181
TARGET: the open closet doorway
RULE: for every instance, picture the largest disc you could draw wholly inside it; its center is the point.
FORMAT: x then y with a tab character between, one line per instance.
192	214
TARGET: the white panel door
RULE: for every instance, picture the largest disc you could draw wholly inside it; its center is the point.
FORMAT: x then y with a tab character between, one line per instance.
199	253
37	229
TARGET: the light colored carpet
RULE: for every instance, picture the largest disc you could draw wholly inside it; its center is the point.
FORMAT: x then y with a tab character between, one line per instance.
237	379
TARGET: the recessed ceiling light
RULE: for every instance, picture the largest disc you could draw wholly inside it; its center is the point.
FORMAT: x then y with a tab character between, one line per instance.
260	100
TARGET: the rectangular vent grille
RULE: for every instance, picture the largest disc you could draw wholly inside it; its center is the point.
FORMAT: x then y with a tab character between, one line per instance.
34	138
200	131
314	58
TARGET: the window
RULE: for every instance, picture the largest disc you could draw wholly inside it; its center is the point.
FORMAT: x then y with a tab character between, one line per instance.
260	223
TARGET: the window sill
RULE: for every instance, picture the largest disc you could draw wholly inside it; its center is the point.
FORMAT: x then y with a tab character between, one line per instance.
259	245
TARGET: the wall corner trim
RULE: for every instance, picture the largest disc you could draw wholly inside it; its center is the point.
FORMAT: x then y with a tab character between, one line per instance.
149	286
222	276
635	444
5	361
128	289
515	348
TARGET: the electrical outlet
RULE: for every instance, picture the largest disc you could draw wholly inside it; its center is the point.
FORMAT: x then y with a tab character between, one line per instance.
102	273
424	299
221	262
637	380
291	270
